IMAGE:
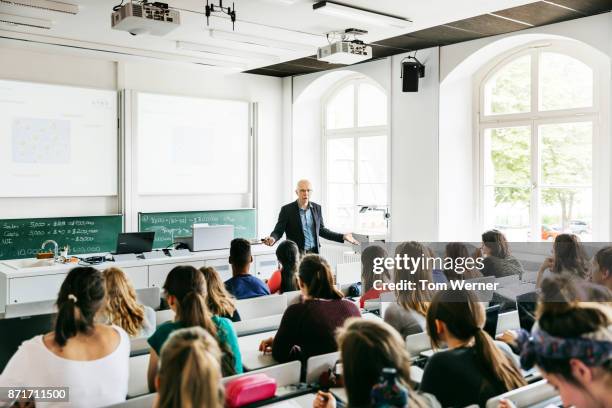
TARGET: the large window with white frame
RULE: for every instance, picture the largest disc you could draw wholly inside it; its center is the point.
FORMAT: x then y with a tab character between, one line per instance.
355	165
538	131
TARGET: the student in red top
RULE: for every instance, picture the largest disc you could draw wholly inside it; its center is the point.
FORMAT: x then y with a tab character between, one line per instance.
285	279
368	276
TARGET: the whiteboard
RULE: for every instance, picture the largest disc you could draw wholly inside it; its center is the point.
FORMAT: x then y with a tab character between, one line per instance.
191	146
57	140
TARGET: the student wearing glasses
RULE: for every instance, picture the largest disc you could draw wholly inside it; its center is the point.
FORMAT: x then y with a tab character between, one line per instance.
302	222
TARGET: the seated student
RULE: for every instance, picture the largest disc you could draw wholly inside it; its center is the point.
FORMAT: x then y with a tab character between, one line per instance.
243	285
121	307
498	261
571	343
190	371
437	274
407	315
219	301
284	279
455	251
308	328
367	347
79	352
472	369
602	267
185	290
568	258
368	255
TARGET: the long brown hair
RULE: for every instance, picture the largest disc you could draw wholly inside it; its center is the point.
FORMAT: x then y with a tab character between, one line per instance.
569	256
121	307
465	317
368	255
496	242
219	300
316	274
187	284
80	297
458	250
190	371
418	299
368	346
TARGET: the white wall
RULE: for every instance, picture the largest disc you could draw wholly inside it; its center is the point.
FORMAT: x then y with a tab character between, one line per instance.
55	65
413	141
459	64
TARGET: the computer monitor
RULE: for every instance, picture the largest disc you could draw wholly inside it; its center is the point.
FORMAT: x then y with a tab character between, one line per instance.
492	317
19	329
135	242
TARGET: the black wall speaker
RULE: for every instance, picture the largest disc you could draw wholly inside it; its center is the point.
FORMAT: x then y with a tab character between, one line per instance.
410	76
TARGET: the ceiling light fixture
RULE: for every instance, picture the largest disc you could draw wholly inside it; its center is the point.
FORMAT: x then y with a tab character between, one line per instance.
211	8
359	14
25	21
50	5
261	41
222	51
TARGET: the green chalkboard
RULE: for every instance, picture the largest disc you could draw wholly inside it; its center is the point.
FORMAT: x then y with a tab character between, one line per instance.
168	225
21	238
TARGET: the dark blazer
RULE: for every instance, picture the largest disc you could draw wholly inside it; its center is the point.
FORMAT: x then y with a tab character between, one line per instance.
290	223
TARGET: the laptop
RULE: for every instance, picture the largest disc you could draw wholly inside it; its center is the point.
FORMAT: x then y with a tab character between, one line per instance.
134	242
492	318
526	306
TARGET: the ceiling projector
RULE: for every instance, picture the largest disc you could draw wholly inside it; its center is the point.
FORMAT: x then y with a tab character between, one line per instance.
145	18
345	51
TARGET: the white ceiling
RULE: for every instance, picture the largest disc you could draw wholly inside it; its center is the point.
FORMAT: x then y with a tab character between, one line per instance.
286	20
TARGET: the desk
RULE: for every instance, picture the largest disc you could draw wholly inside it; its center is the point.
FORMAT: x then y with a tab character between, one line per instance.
510	292
303	401
252	358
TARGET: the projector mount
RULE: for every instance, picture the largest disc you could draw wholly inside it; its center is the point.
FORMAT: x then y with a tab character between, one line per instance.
350	35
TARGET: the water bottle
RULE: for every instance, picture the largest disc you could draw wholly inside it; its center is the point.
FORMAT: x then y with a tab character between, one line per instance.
389	392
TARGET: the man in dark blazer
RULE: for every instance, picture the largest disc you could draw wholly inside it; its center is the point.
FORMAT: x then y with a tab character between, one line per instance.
302	222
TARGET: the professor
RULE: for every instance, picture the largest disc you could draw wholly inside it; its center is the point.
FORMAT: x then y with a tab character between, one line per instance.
302	222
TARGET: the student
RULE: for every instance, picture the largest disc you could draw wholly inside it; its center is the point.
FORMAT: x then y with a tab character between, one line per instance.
568	258
368	255
190	371
571	343
243	285
121	307
602	267
88	358
185	290
307	329
498	262
472	369
284	279
437	275
455	251
366	347
407	316
219	301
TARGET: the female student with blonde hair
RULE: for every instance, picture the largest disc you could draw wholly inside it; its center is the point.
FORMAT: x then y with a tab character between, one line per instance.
121	307
218	299
367	347
407	316
472	369
190	371
185	290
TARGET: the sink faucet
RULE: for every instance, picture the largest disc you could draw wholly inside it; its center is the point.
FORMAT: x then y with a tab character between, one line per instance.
55	247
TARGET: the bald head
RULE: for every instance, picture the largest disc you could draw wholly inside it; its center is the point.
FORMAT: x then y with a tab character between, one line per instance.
303	190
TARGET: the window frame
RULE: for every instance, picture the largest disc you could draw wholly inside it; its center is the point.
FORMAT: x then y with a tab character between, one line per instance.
535	118
355	133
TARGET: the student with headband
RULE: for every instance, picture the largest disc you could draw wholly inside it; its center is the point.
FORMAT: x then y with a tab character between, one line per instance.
368	348
89	358
571	343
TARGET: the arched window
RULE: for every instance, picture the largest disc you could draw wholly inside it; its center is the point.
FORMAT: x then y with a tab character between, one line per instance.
355	164
538	131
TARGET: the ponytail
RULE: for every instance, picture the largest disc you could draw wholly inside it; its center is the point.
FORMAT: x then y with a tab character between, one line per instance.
495	361
316	274
188	285
190	374
288	254
80	296
464	317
